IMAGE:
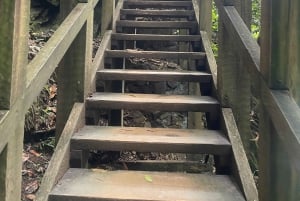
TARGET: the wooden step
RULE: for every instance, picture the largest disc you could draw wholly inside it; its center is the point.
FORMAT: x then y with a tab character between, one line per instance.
157	4
188	166
158	13
151	139
154	37
154	75
102	185
157	24
153	102
155	54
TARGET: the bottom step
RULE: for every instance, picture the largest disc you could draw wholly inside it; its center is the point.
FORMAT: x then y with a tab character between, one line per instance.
101	185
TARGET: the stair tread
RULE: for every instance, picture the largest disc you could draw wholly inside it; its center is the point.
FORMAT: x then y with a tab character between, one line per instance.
151	4
160	13
151	139
153	75
154	54
157	24
97	184
154	102
156	37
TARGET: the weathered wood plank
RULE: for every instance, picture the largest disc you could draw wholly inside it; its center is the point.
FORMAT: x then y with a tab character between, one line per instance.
243	169
158	13
154	75
203	11
60	159
108	9
151	139
167	165
153	37
154	54
116	16
157	24
157	4
98	62
211	61
6	51
44	64
14	20
136	185
71	73
153	102
285	115
280	67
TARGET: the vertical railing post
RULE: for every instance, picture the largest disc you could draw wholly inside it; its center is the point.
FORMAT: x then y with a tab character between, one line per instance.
73	69
206	16
108	10
14	20
280	66
234	86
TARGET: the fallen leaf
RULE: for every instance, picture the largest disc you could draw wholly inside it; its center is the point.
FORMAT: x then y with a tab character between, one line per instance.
32	187
148	178
25	157
52	91
34	153
30	197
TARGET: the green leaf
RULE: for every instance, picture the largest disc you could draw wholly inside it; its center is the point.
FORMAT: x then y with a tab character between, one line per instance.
148	178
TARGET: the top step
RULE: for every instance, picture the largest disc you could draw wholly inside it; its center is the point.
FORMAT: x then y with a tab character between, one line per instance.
158	4
158	13
101	185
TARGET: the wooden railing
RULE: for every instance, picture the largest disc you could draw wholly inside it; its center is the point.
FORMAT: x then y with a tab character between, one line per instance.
245	70
70	51
242	72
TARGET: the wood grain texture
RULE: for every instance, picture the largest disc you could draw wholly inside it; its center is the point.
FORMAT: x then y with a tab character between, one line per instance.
154	54
152	102
142	186
243	169
154	75
151	139
6	52
14	20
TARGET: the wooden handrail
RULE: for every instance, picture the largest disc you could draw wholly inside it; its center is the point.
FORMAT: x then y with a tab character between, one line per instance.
44	64
279	135
283	111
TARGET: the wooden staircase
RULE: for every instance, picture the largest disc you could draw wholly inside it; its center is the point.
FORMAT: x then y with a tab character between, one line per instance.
79	184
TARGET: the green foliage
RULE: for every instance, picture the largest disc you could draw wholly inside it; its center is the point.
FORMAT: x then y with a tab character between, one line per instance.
215	25
256	15
255	24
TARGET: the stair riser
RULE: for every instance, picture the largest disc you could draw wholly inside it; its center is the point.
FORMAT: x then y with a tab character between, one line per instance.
150	147
157	13
152	37
156	24
158	4
165	107
150	76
